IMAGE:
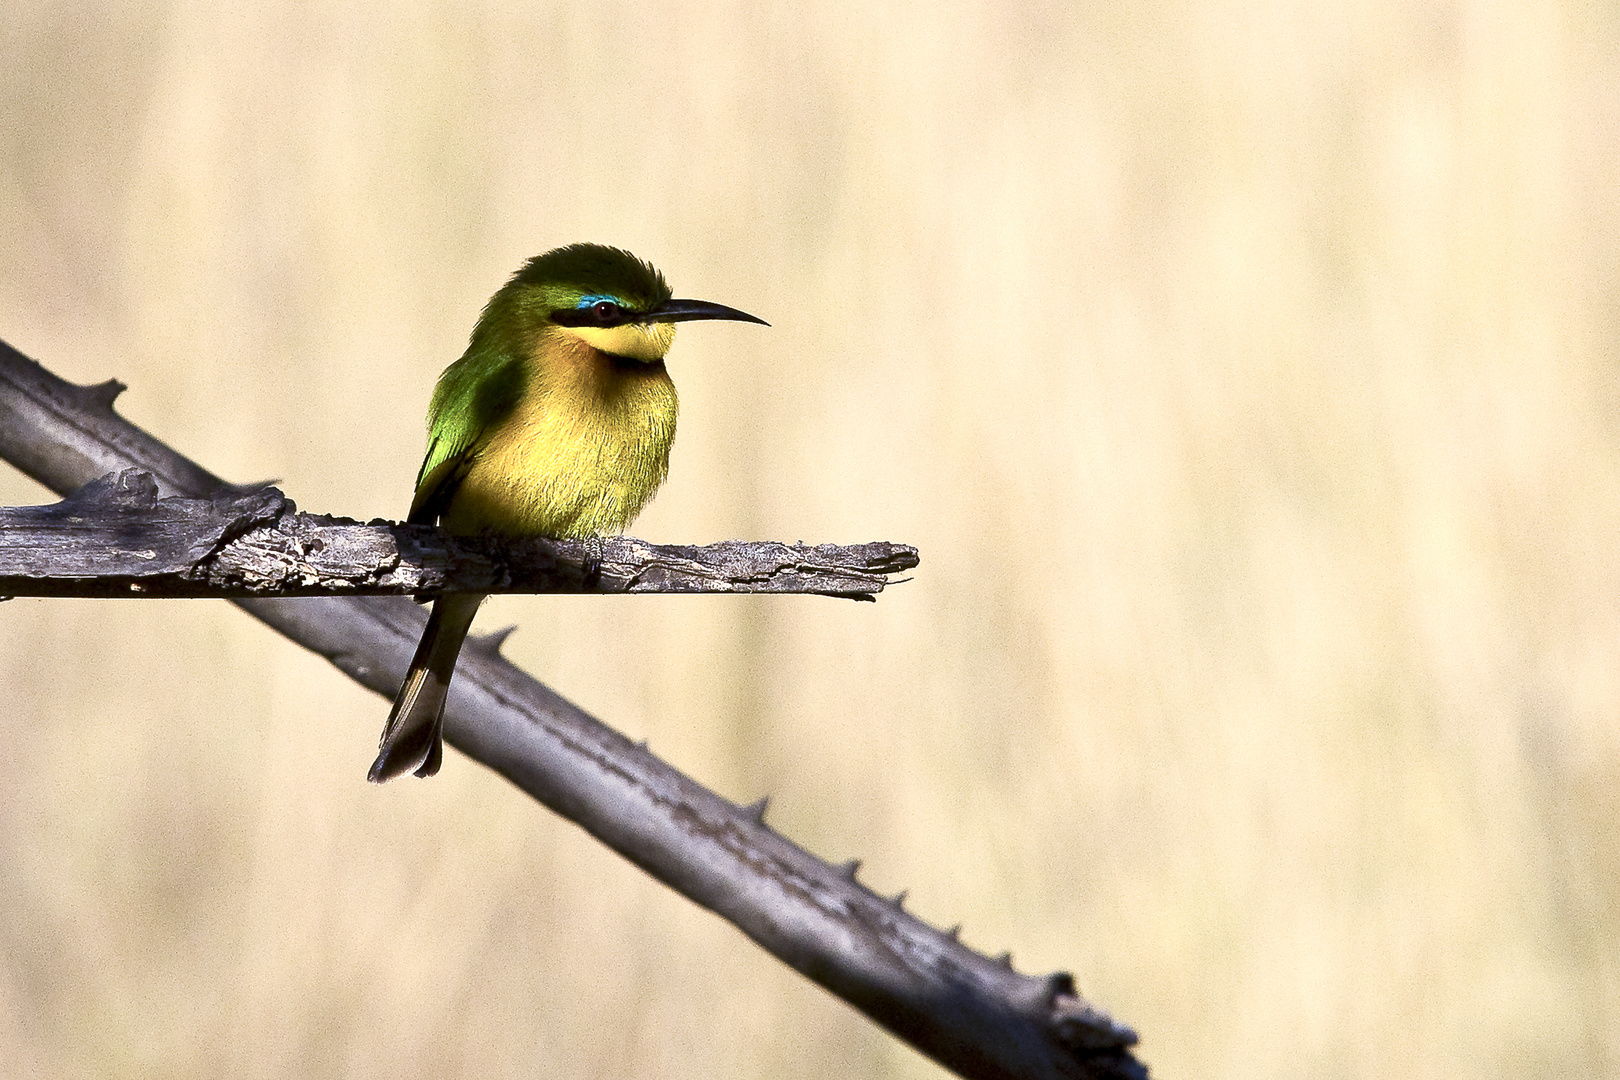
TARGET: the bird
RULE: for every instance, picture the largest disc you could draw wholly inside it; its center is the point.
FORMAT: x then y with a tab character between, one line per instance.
557	421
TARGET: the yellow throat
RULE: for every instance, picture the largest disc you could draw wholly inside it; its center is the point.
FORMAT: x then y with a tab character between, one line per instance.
587	444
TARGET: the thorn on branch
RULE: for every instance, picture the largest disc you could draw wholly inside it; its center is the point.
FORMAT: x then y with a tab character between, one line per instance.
254	488
1059	984
955	932
492	642
1005	960
102	394
898	900
756	810
850	869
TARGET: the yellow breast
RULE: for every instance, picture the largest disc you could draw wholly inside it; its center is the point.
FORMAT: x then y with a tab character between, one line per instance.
584	450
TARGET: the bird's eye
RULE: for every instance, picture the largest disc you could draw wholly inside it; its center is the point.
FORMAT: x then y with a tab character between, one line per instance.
605	310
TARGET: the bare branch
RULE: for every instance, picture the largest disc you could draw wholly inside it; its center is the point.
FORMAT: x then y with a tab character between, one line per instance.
116	537
973	1014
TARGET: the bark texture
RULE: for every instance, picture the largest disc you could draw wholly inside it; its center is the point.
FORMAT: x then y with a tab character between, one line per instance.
116	537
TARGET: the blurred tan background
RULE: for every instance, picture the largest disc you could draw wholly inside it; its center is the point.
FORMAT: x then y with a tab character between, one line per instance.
1246	374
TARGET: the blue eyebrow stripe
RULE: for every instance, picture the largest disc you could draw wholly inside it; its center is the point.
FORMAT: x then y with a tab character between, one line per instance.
593	300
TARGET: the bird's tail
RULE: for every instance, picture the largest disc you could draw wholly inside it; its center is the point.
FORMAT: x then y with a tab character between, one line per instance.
413	738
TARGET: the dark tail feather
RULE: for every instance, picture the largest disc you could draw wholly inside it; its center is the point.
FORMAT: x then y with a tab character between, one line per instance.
413	738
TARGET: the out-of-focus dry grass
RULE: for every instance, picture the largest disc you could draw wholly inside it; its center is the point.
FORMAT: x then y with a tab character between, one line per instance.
1245	373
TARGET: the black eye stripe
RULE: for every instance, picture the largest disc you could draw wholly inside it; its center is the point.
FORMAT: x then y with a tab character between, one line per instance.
603	313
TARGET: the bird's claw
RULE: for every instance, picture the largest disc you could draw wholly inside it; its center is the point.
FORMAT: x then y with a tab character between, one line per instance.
591	565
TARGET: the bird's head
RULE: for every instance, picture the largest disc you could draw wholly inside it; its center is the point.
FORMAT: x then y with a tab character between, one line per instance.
605	297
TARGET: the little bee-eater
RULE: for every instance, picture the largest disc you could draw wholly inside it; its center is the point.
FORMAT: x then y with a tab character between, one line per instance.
556	421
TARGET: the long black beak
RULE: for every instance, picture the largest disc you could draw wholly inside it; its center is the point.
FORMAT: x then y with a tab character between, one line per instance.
687	310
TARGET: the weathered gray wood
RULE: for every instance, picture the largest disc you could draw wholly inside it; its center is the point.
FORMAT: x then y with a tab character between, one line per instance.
973	1014
116	537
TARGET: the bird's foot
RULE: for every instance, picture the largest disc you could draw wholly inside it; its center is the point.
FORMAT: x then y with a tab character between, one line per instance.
591	568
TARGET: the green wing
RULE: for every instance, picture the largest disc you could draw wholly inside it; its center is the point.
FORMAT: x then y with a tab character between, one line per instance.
473	396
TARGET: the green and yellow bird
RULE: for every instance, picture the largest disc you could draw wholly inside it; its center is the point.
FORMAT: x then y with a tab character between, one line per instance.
556	421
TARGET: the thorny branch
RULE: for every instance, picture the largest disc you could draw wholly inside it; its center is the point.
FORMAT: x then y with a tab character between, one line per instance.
973	1014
